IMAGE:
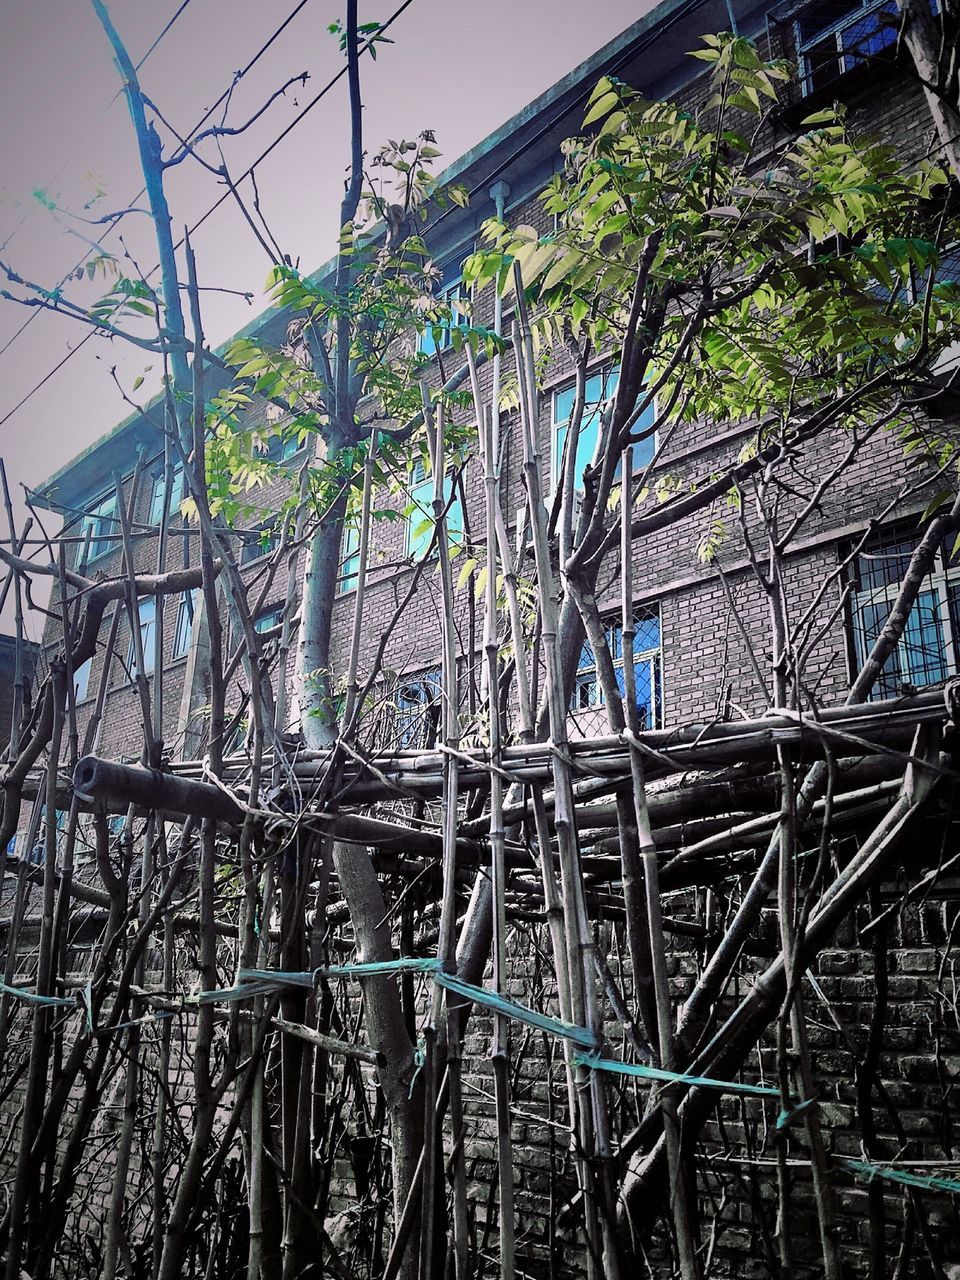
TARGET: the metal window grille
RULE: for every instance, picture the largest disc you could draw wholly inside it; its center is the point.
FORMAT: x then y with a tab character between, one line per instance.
417	709
928	649
587	715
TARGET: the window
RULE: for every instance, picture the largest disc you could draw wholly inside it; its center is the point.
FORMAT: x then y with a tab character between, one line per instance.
183	632
599	388
102	523
38	853
587	701
269	619
834	36
81	680
420	522
417	703
349	559
176	495
928	649
438	335
280	448
148	629
259	542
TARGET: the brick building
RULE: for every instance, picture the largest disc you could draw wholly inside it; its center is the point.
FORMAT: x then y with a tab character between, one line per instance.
690	652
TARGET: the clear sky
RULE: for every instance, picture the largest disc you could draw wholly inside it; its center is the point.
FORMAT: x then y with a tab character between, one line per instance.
68	158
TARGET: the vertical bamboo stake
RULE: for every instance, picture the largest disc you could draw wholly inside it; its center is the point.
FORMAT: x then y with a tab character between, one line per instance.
501	1031
579	940
527	729
686	1241
446	952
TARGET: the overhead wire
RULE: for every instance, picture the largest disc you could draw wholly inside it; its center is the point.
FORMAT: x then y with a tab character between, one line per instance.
246	174
194	130
86	138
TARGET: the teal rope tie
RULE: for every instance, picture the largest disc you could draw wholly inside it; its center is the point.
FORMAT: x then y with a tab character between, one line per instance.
31	997
864	1169
520	1013
597	1063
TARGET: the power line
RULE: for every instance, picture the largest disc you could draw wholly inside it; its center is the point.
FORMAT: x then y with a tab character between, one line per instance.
217	203
86	138
196	128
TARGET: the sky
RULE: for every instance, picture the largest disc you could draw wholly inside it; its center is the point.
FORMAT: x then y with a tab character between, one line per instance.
68	158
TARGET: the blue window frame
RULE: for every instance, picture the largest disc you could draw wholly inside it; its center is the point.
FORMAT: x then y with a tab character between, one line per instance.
438	333
183	631
269	619
600	386
103	524
147	610
349	558
928	649
587	702
176	495
416	702
420	521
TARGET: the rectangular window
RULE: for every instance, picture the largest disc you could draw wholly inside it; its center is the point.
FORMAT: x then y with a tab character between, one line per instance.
176	495
38	853
927	652
417	702
600	387
103	526
81	680
438	333
834	36
588	701
148	629
420	521
349	559
269	619
183	632
280	448
259	542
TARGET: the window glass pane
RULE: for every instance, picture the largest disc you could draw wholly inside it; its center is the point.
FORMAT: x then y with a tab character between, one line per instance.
587	692
102	523
81	680
871	619
598	390
349	559
436	336
176	495
148	621
922	642
259	542
885	561
417	702
646	633
869	35
420	524
824	16
183	635
269	619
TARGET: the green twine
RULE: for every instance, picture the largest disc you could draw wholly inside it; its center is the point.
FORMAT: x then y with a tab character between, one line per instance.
31	997
519	1012
863	1169
671	1077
